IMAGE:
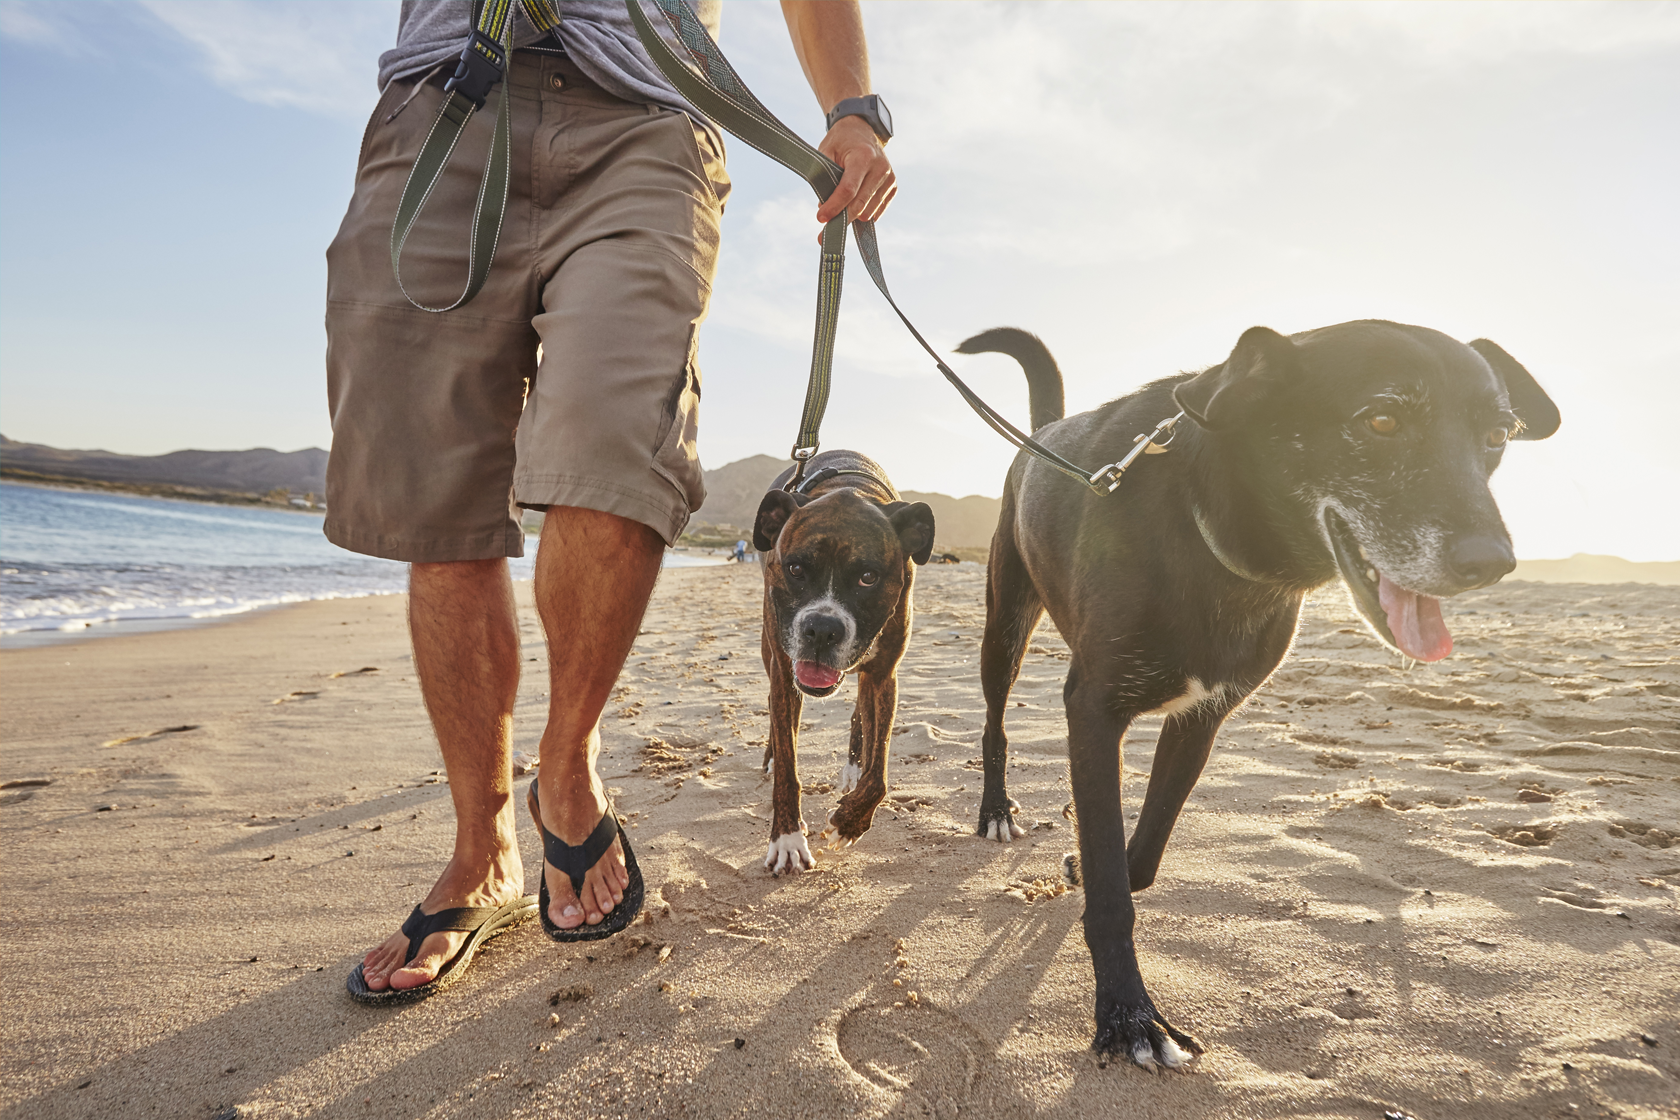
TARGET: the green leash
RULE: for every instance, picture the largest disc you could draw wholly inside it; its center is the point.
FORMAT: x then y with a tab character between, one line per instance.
717	90
483	62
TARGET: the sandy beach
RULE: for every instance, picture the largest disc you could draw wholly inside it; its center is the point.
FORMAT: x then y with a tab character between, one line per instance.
1443	891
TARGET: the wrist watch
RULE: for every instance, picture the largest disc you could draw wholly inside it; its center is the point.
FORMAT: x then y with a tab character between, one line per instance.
872	109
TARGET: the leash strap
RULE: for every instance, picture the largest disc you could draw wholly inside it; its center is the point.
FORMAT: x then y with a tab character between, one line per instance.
718	91
483	62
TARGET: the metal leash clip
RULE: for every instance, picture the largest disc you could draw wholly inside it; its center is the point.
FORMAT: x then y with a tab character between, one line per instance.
801	456
1107	479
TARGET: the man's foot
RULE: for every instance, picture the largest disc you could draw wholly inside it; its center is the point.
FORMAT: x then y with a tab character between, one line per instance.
384	966
572	813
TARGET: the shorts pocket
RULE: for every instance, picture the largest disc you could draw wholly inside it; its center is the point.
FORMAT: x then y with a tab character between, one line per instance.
676	458
381	110
704	162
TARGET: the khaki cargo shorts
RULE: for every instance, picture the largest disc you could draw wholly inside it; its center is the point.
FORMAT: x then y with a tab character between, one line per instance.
444	425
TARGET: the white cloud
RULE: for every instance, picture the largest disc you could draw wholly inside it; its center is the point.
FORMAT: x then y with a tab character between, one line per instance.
321	58
317	57
42	25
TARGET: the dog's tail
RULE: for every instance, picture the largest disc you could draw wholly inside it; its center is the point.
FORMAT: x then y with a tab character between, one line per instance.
1044	377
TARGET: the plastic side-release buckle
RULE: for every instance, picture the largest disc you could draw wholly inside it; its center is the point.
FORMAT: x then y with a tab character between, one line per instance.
480	68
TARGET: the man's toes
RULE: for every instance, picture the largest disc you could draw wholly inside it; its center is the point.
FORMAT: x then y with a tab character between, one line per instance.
600	898
564	909
377	966
434	952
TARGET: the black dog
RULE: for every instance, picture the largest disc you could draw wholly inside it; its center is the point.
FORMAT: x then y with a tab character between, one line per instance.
839	554
1361	451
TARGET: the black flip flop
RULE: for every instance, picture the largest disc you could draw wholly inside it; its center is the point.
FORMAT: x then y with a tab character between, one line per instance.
576	861
483	922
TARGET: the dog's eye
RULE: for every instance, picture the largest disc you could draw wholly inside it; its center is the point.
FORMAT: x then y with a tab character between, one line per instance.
1496	437
1382	425
797	571
869	579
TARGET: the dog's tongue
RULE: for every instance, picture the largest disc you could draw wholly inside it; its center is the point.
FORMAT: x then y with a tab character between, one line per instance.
812	675
1415	621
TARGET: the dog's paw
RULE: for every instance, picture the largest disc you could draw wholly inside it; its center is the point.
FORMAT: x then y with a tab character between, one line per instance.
850	774
845	832
789	852
1141	1033
999	824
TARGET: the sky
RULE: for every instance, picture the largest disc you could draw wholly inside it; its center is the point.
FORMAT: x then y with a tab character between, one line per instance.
1135	183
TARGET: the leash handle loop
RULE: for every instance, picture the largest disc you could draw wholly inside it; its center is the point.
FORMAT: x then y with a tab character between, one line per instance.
482	65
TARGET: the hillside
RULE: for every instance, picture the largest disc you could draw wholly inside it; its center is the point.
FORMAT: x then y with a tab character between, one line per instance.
1583	568
255	471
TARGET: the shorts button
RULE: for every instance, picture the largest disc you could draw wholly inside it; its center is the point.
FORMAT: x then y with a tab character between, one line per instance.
557	81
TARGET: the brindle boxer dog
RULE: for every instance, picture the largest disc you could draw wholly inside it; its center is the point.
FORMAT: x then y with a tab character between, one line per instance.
838	554
1360	451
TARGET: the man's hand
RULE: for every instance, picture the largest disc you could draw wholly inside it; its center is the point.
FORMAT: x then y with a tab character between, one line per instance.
828	38
869	183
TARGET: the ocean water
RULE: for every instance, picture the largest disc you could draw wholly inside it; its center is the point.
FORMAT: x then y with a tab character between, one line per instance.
79	563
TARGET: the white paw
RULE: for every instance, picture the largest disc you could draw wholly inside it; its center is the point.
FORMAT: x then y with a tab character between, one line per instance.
1004	831
790	852
1144	1055
850	774
1172	1055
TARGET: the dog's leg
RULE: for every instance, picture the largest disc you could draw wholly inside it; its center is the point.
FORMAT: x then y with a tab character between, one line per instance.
1127	1021
877	700
853	770
872	722
788	849
1013	609
1183	749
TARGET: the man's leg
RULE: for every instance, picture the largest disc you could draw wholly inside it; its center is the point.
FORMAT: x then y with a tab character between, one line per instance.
466	654
595	573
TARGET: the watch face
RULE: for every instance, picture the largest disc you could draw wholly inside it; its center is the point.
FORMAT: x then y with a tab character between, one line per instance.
886	117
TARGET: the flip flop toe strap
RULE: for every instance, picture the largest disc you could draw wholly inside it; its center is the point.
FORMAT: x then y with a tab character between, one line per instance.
420	925
576	861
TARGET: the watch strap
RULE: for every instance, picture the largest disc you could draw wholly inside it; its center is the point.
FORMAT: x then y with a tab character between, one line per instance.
867	107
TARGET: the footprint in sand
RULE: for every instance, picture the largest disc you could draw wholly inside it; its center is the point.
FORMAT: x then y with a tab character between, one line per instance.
1525	835
929	1055
176	730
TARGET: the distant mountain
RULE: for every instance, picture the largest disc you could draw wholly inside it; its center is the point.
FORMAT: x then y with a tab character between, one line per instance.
256	471
1584	568
959	522
734	490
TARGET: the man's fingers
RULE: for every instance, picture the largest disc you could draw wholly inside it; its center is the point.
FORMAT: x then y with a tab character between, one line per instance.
842	195
876	193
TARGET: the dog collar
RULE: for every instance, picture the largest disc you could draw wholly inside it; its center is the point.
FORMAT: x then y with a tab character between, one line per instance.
824	475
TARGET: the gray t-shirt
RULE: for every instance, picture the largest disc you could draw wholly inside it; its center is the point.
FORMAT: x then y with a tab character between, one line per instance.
597	34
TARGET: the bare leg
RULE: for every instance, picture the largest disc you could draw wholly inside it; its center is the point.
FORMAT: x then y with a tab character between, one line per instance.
595	573
466	654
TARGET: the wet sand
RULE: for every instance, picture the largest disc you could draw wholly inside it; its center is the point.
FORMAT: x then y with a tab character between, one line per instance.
1447	891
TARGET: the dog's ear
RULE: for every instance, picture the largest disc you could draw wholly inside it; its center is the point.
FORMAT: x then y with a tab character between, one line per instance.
1223	396
773	513
913	522
1539	416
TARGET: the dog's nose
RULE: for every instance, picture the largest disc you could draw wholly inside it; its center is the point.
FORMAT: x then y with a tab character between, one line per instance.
821	631
1480	560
